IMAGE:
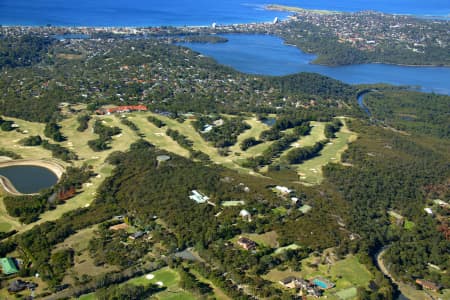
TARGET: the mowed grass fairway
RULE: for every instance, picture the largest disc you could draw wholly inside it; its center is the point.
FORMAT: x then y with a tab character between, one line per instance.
231	161
157	136
9	140
255	131
310	171
169	279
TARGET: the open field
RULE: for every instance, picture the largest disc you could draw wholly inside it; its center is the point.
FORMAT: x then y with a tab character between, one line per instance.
310	171
78	241
286	248
268	239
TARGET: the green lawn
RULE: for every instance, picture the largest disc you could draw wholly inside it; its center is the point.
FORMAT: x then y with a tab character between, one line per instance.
90	296
167	276
409	225
179	295
305	208
349	293
280	210
286	248
232	203
5	227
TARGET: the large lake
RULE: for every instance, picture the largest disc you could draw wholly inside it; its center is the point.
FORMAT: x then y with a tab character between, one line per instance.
29	179
268	55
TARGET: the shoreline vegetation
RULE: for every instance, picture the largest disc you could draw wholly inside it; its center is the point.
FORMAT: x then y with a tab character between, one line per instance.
9	187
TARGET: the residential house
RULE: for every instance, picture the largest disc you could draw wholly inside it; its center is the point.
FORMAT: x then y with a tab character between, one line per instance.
8	266
136	235
121	109
19	285
121	226
282	189
428	285
289	282
198	197
245	215
246	243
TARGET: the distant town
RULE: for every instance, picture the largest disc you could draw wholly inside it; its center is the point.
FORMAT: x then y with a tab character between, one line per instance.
378	37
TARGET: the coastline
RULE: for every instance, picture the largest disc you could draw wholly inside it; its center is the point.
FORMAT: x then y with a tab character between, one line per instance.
295	9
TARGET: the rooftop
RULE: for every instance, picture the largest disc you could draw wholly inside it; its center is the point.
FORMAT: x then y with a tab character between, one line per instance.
8	266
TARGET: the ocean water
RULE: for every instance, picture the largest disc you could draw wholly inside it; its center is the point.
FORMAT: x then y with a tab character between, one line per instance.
268	55
185	12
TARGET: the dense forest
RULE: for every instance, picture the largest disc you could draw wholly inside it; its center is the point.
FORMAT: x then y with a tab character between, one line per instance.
419	113
390	172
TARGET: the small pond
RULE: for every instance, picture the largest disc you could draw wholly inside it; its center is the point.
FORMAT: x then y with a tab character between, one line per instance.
29	179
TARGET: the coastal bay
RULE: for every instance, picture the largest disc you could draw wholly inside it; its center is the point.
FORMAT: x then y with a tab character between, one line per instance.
268	55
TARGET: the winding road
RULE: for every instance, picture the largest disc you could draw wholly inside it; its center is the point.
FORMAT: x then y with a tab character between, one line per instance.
406	292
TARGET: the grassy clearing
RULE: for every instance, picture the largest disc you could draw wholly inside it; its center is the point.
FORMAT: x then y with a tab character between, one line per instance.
349	293
78	241
409	225
232	203
84	264
7	222
310	172
90	296
286	248
276	275
305	208
5	227
268	239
